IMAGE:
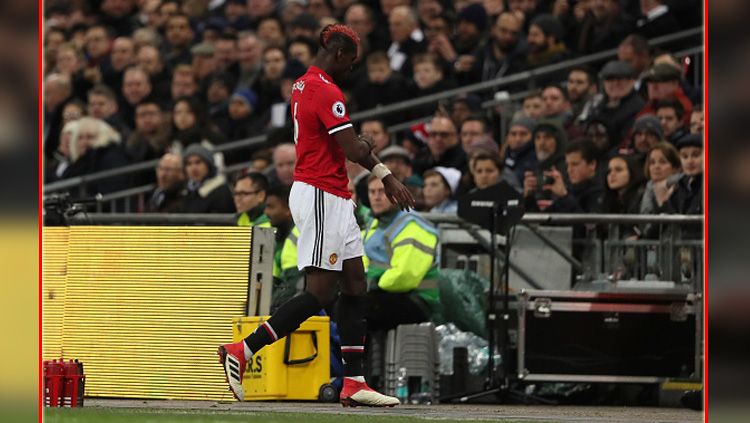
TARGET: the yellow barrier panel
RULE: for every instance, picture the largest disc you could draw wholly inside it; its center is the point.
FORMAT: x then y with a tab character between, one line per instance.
54	271
146	307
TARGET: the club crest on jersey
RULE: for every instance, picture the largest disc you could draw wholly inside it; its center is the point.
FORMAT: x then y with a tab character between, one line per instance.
339	110
299	85
333	259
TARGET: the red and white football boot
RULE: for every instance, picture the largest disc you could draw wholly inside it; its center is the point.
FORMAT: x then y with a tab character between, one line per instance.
232	358
355	394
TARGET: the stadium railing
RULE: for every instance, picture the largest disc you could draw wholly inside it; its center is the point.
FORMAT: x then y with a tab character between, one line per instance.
526	77
603	252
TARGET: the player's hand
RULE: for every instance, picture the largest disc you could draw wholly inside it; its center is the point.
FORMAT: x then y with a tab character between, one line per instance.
398	194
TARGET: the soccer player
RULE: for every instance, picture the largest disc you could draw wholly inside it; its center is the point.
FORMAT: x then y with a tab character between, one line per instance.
330	245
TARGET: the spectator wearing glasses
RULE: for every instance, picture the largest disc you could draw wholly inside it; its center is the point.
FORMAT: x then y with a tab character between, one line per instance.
444	148
250	200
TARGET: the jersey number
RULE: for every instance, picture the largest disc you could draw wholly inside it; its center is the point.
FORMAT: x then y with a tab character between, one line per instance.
296	124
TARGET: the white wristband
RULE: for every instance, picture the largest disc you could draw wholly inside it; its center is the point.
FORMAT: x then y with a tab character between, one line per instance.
381	171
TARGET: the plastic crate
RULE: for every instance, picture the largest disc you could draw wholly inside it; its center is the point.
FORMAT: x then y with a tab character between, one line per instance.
414	347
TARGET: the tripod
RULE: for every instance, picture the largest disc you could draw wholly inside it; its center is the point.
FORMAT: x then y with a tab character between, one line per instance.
503	203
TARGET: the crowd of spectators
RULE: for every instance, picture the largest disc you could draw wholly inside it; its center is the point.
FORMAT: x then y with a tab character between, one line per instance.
127	81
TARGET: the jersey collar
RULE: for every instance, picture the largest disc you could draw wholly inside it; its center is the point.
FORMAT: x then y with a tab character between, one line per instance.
322	73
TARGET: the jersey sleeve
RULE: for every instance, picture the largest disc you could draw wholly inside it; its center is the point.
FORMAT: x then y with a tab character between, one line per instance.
331	110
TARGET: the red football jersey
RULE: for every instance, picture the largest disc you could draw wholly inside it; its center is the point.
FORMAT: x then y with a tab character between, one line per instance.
318	112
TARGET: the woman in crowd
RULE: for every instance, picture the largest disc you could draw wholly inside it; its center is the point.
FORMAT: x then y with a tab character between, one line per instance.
191	125
662	168
624	187
622	195
486	169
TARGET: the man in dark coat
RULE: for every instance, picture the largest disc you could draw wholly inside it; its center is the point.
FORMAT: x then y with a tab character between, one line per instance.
619	104
444	148
170	191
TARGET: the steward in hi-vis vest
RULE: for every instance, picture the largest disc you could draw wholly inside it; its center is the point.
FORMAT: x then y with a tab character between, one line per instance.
401	262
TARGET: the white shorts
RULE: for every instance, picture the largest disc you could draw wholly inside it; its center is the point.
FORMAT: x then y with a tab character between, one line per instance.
329	233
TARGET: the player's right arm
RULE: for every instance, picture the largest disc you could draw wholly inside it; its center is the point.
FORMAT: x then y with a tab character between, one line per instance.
396	192
355	148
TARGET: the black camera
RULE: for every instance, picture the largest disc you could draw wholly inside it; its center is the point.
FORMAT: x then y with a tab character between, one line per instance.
542	180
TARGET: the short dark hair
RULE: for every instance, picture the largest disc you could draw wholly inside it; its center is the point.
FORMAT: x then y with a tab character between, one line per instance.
258	179
638	43
165	2
590	74
307	41
274	47
557	87
378	120
181	15
585	147
103	90
532	94
377	57
427	58
279	191
109	31
484	155
477	118
678	108
151	99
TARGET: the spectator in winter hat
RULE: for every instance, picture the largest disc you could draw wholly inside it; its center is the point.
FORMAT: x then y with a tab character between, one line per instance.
219	89
208	191
647	132
204	61
472	24
686	196
620	103
243	120
663	82
440	184
519	149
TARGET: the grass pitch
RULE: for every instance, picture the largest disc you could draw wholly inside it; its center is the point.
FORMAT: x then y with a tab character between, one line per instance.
120	415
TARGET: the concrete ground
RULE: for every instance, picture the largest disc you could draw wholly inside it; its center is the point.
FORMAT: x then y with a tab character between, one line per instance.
535	413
